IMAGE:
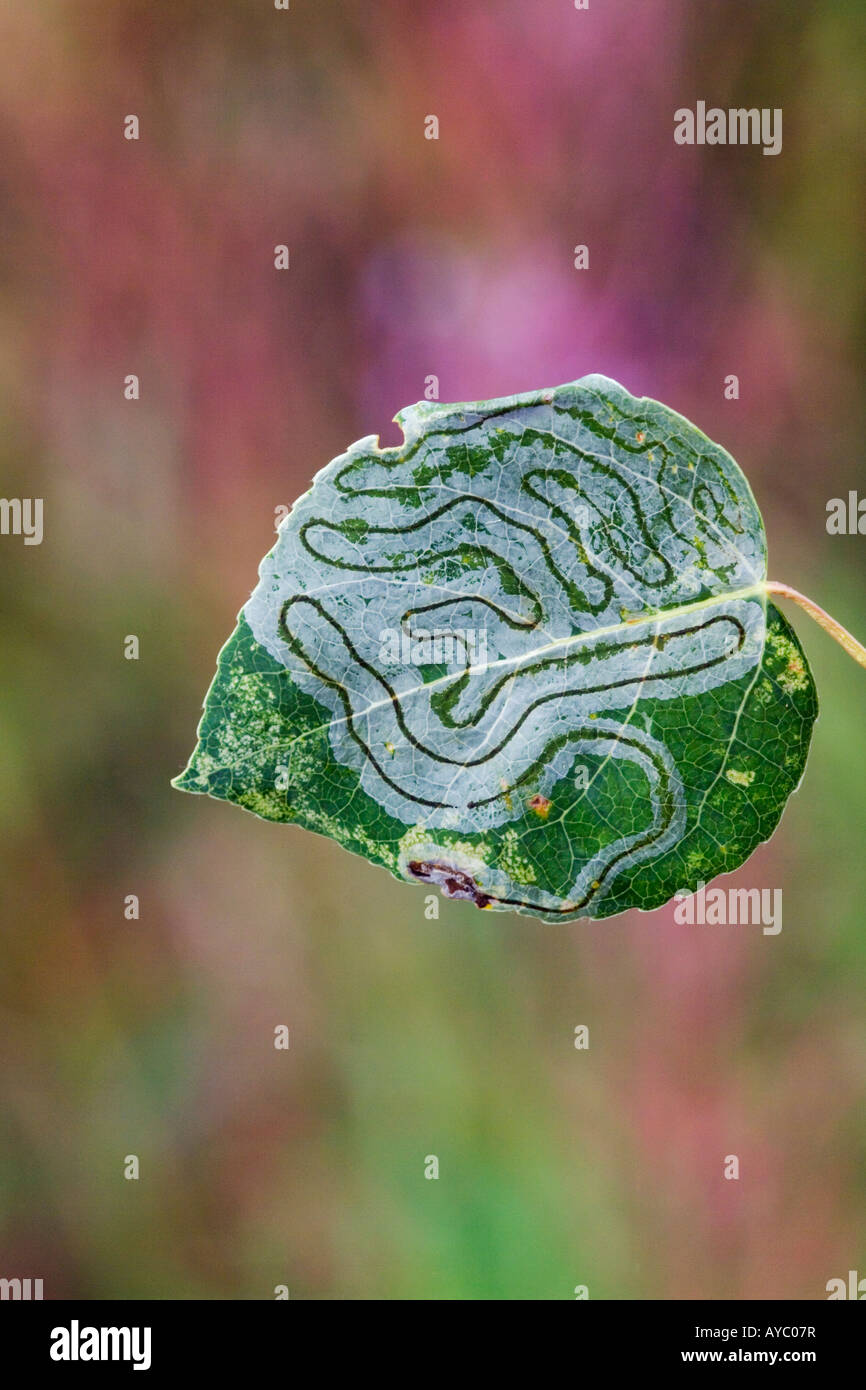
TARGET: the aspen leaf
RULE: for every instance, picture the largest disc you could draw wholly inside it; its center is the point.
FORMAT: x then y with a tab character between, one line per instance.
595	569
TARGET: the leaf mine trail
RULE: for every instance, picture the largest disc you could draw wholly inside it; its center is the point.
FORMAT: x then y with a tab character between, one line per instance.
528	657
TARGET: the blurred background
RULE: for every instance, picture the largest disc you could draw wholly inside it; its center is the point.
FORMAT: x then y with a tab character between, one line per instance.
409	257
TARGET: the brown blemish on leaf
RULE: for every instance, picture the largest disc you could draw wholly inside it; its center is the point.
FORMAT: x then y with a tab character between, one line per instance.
454	883
540	805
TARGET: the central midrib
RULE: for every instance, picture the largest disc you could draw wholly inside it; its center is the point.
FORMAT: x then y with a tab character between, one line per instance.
628	625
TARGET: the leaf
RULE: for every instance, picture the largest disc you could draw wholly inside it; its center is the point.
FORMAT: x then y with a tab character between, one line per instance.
613	712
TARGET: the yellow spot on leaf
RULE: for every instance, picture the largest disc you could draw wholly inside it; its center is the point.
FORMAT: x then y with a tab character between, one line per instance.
740	779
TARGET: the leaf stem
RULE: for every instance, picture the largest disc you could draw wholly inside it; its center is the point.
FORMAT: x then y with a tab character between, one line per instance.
839	633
